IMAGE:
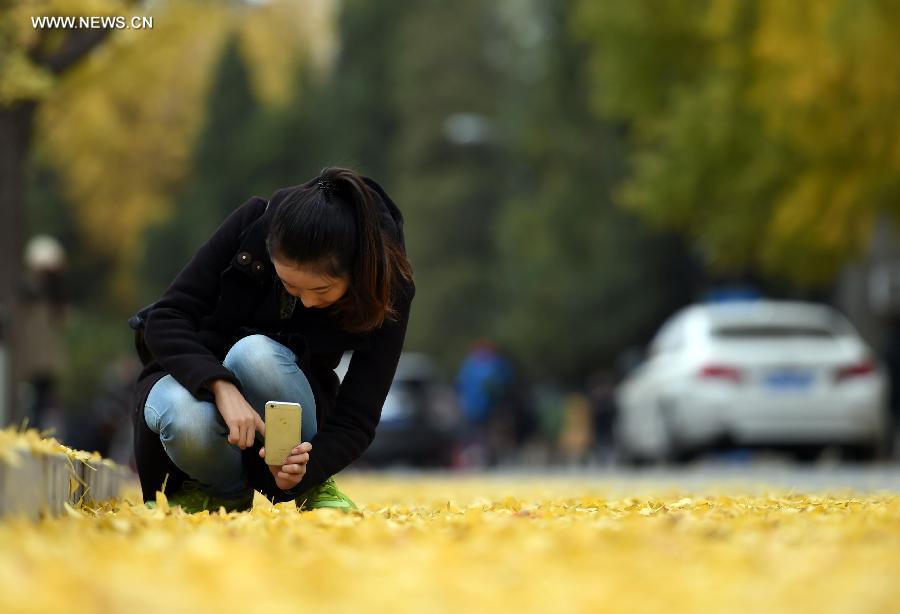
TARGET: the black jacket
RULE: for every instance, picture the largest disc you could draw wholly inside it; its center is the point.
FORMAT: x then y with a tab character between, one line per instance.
229	290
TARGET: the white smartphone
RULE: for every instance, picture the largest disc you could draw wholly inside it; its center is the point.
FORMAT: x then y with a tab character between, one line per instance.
282	430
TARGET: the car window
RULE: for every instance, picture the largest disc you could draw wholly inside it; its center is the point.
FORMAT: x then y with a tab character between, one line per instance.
815	324
770	331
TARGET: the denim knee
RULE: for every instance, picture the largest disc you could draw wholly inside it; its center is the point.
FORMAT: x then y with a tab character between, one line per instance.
181	420
266	367
258	356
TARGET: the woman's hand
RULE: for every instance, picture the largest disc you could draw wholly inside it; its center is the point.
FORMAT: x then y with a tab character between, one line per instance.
291	471
243	421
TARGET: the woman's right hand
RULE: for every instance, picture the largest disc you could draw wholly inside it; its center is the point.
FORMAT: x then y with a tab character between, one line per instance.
243	421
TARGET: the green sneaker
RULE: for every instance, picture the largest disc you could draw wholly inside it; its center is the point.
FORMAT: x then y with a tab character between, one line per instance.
192	499
325	494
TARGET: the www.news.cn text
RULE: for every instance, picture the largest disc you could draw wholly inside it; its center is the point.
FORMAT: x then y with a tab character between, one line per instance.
91	22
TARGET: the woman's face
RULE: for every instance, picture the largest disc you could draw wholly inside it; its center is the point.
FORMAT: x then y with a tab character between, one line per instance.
313	289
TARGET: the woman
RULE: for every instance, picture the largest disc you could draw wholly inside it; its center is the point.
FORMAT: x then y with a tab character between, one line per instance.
263	312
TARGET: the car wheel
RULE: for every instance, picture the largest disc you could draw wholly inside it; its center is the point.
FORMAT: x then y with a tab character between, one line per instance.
681	456
806	453
859	453
869	452
636	462
626	458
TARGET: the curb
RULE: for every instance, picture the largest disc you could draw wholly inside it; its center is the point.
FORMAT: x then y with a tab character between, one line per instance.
36	483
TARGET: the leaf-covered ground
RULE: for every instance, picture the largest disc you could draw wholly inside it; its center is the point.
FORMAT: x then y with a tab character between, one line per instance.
441	544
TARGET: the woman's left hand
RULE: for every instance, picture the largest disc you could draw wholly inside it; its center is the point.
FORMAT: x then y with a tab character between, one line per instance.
291	471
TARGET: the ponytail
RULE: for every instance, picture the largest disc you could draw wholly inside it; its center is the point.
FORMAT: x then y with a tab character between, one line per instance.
334	224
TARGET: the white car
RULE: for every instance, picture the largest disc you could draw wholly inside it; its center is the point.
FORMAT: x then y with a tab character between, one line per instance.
754	373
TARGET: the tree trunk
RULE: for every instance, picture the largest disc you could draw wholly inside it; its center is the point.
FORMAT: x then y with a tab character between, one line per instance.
16	127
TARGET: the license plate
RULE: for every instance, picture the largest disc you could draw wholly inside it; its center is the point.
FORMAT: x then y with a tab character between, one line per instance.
789	380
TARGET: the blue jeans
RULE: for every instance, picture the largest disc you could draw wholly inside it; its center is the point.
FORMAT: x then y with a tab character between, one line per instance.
194	434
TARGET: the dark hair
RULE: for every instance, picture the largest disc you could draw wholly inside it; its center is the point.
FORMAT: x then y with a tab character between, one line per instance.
332	224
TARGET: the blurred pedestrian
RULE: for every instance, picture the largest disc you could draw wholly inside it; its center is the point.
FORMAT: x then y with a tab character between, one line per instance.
601	391
577	434
41	335
484	385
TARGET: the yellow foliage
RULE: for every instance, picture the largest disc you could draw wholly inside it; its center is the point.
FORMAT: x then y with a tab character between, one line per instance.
451	545
32	441
21	78
779	145
120	126
827	83
280	37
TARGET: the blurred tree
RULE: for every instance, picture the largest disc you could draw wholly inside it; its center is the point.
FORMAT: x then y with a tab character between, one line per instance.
765	130
451	170
120	130
117	129
341	117
247	147
828	86
581	278
358	110
31	61
139	109
510	227
224	162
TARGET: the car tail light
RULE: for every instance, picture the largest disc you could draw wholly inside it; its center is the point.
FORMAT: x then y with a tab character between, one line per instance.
862	369
721	372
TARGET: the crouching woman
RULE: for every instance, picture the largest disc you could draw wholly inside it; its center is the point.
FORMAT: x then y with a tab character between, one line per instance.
264	311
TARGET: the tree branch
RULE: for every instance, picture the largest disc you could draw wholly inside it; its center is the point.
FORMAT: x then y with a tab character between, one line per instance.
76	45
